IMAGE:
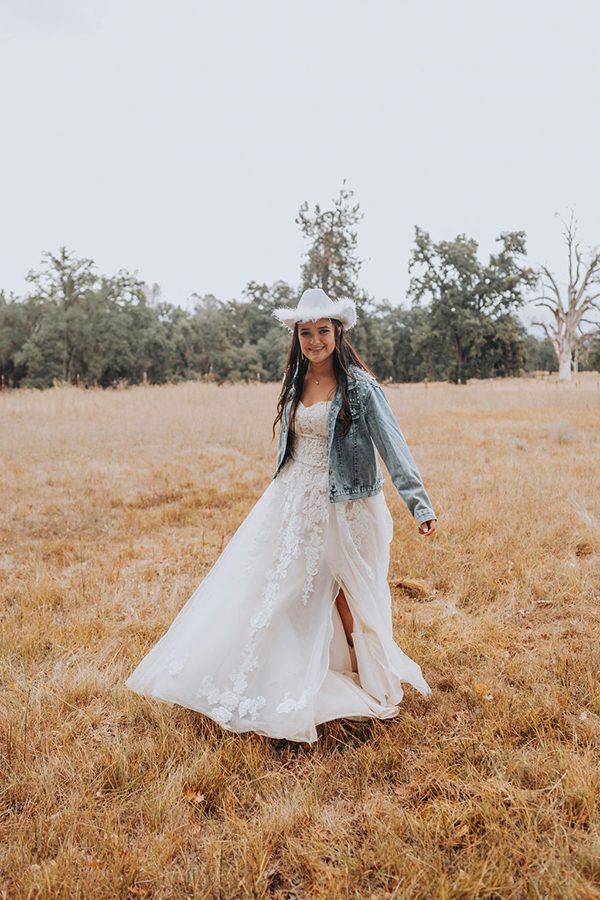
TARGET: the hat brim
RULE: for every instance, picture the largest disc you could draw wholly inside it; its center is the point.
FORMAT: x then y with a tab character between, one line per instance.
344	310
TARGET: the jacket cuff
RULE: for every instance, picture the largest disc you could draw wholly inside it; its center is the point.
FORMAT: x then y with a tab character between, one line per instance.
425	516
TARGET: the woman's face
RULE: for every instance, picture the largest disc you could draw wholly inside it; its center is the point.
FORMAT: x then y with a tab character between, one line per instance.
317	339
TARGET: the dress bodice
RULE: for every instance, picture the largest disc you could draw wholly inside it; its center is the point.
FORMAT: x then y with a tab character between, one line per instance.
311	432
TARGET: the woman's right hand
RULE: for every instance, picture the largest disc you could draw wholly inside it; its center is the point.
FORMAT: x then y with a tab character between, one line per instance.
427	528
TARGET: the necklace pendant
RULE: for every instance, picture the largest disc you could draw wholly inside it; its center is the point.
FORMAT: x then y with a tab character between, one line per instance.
316	382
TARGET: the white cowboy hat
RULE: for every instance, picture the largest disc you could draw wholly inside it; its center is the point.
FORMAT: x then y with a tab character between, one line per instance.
314	304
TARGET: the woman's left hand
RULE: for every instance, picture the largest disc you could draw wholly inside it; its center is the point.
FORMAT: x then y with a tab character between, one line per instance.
427	528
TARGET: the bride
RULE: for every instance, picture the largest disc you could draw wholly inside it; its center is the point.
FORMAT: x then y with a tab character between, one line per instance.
292	626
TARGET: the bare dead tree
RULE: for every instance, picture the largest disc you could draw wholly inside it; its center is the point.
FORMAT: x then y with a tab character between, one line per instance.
571	306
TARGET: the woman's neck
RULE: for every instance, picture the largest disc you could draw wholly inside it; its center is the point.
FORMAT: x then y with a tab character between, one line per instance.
321	371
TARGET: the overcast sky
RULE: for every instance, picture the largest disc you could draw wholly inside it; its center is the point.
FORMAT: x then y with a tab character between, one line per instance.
178	139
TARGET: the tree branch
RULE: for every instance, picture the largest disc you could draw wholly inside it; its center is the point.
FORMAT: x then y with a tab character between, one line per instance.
578	258
591	302
591	271
584	338
552	309
553	285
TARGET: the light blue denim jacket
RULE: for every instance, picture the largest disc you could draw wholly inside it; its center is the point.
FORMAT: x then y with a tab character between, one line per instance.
354	469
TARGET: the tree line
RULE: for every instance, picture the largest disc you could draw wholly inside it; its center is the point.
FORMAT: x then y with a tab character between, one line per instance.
78	326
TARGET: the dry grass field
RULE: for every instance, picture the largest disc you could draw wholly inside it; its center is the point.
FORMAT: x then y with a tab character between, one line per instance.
114	506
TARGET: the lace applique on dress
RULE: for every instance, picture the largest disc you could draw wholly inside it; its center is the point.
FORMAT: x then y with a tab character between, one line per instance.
306	488
305	498
288	704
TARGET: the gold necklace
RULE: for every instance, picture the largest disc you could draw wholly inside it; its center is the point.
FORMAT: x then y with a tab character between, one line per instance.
316	380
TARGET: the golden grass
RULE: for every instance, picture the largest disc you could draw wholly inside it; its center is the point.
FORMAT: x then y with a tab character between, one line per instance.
115	504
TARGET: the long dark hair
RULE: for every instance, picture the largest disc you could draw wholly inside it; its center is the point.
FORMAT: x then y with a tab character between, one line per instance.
344	355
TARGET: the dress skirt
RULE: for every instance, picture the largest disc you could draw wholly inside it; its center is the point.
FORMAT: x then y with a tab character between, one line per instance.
259	646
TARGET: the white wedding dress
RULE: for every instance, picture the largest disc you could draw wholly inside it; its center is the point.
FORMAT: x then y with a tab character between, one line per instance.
260	646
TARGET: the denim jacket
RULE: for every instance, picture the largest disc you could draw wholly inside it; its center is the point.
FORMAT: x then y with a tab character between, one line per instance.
354	470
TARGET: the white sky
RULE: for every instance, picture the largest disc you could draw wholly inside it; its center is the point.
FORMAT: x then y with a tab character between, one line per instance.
178	139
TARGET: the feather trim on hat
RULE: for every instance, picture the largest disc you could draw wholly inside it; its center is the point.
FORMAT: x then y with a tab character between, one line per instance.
345	310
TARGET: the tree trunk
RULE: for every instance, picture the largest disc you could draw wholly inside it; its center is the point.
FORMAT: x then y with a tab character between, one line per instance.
460	378
564	364
69	366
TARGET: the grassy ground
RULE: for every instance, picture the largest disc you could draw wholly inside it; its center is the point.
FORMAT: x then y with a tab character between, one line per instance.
115	504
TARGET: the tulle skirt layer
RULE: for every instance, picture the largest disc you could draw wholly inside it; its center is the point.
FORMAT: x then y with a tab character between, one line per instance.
260	646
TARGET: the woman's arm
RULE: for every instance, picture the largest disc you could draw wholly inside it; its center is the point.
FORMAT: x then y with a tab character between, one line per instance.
393	449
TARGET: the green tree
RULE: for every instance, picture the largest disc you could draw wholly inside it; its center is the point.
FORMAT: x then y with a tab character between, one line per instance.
95	330
208	337
17	322
539	354
372	335
408	363
61	287
503	351
239	364
109	350
331	261
464	297
268	335
590	356
42	354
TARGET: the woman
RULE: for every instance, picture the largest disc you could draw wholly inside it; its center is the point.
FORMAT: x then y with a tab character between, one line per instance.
292	626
